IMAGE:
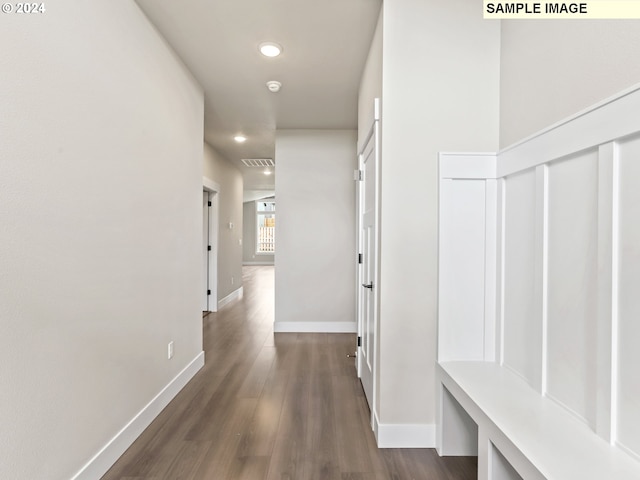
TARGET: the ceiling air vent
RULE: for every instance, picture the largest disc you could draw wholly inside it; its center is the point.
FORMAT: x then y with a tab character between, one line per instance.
258	162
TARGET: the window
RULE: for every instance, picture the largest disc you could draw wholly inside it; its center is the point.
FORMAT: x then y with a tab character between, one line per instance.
266	217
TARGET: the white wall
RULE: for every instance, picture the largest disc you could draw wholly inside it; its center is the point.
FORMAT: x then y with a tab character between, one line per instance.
249	255
552	69
100	202
440	93
228	176
370	84
314	268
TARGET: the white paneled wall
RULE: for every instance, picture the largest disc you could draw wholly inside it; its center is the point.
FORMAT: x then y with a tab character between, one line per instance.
558	283
463	247
572	283
522	334
628	340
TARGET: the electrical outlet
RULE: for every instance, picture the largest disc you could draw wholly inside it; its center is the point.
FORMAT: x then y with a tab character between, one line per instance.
170	350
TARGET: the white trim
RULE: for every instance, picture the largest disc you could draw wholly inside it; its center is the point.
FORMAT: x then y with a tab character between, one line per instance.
541	286
575	116
615	289
490	266
213	188
608	241
315	327
375	424
612	119
501	225
405	435
359	265
467	165
235	295
210	185
107	456
267	264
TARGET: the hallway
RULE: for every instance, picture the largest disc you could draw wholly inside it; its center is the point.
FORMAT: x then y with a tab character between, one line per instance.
285	407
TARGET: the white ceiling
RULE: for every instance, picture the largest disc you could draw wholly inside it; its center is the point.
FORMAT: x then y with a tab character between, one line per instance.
325	43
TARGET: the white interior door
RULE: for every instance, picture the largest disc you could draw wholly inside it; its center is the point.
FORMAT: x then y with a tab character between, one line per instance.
368	274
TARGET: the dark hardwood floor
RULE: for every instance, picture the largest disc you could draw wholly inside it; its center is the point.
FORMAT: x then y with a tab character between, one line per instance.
265	406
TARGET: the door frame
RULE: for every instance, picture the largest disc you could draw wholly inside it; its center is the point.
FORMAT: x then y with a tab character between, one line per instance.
374	132
213	189
359	261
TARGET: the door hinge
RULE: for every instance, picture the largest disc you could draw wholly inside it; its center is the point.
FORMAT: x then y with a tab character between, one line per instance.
360	175
359	341
209	248
359	258
209	204
208	292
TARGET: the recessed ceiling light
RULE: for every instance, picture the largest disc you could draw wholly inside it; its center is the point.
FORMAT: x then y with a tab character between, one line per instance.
274	86
270	49
240	138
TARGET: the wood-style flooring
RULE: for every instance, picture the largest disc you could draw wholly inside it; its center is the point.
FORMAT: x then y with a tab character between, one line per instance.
273	407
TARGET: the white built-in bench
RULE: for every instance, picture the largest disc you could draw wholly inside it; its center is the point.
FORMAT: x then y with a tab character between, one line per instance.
539	301
538	437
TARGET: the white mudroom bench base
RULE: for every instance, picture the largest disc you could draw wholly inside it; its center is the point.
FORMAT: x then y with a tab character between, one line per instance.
508	419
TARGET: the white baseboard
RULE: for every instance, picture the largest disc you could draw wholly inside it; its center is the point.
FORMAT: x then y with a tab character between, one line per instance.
236	294
389	435
107	456
314	327
264	264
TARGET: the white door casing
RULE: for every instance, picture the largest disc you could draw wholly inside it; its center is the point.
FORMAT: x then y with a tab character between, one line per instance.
205	251
368	241
210	206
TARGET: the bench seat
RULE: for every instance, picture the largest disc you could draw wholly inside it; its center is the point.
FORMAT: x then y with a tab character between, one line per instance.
538	437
